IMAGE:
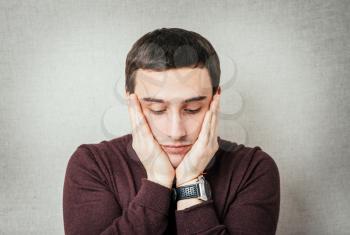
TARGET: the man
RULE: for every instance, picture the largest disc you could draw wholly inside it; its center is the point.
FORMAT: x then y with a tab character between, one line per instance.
173	174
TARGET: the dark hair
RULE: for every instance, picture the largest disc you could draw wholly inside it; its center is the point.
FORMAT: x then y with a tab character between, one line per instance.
169	48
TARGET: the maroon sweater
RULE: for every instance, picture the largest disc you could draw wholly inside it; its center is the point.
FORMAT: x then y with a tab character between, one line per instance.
106	191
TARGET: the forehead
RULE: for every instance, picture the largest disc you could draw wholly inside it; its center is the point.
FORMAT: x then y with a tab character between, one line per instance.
173	84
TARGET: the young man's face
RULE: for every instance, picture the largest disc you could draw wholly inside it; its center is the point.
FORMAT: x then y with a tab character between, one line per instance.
172	120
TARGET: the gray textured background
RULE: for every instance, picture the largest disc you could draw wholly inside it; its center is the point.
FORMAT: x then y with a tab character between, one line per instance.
62	66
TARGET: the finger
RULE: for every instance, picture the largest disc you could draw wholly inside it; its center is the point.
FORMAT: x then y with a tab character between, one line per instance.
131	114
141	122
133	104
215	118
138	134
135	119
213	127
214	102
216	108
212	107
205	131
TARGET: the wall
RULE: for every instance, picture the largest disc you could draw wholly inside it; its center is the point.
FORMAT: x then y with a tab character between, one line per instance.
285	88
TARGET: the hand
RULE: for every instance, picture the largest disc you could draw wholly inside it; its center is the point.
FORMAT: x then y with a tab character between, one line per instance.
205	147
156	162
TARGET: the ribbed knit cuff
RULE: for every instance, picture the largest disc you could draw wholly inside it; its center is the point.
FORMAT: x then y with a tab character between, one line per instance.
154	196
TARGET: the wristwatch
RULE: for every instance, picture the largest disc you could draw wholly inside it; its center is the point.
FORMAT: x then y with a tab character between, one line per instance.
200	189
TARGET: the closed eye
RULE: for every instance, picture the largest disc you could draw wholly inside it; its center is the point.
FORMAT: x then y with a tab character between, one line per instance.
190	111
193	110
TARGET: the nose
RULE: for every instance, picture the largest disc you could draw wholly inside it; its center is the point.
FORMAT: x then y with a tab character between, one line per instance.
177	126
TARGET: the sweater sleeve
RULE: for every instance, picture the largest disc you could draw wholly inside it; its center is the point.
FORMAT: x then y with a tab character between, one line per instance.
254	211
89	207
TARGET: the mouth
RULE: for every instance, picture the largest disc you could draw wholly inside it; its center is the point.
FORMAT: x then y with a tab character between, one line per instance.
176	149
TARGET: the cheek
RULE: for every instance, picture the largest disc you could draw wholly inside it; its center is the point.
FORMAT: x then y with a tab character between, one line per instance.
156	123
194	123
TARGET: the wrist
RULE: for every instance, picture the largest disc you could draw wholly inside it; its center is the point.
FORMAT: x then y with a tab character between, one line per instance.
182	183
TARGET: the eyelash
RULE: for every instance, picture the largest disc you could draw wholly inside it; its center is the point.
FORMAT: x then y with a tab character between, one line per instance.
188	110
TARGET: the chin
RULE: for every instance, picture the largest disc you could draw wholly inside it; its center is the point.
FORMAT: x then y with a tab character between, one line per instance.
175	159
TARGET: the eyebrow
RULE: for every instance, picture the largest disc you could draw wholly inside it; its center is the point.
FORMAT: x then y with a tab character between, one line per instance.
196	98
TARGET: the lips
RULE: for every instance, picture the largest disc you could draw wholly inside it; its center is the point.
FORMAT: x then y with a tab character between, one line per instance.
176	149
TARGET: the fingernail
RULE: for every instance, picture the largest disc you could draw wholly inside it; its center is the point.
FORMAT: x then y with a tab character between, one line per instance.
130	100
